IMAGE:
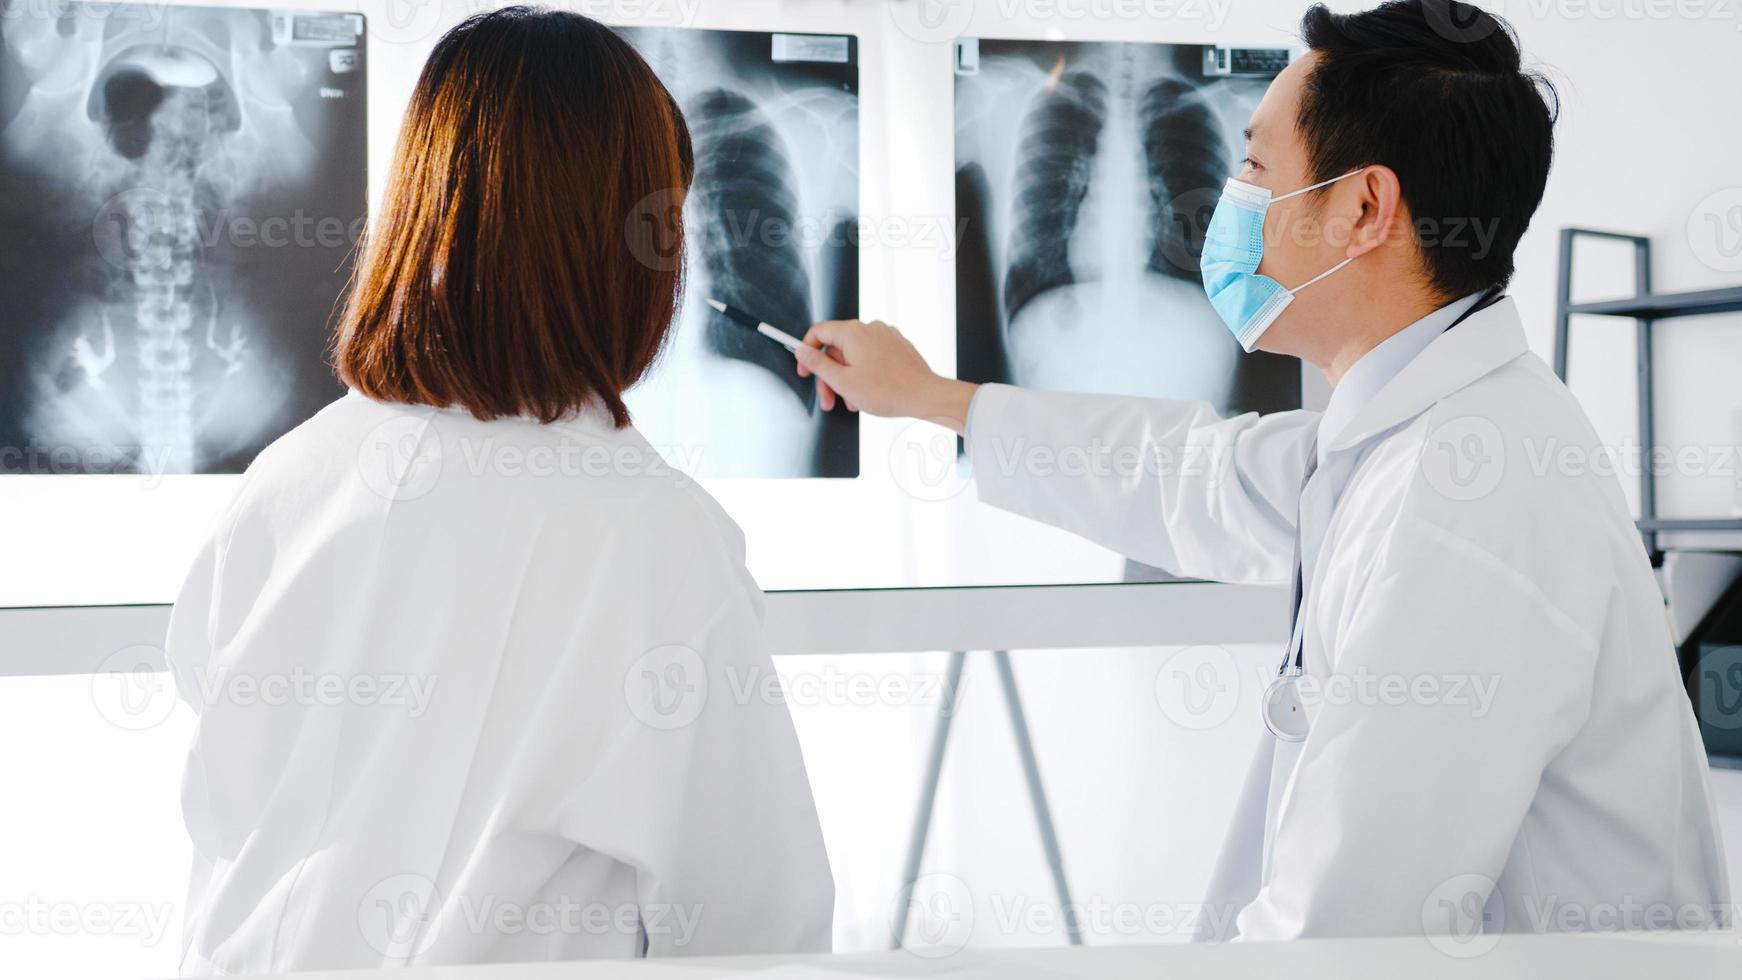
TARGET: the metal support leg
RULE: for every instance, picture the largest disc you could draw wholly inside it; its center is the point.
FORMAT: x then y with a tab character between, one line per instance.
1049	842
1647	403
929	792
928	796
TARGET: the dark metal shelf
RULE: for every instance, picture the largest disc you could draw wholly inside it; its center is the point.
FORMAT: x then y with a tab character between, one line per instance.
1662	306
1691	524
1644	309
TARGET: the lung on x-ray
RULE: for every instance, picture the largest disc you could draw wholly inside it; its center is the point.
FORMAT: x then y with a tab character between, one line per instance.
1085	177
181	188
771	222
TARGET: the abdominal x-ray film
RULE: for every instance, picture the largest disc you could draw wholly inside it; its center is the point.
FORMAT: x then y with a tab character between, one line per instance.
771	224
1085	177
180	188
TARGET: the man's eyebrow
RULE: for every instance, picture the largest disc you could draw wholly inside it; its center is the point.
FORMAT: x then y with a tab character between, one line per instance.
1248	134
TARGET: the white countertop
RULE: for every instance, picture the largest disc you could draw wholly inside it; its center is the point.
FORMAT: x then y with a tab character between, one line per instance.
1696	956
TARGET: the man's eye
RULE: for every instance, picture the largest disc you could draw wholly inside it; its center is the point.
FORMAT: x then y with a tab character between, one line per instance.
1248	162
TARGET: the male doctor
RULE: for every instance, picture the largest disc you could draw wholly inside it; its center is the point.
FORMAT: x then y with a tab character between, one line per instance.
1441	519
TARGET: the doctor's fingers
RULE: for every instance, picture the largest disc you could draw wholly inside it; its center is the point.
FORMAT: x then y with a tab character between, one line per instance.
829	372
832	333
866	364
839	336
852	341
825	394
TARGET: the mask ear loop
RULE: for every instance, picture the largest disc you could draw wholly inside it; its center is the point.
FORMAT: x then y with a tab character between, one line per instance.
1318	185
1321	275
1315	187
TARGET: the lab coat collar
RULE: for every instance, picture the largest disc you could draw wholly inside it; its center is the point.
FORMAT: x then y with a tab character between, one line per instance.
592	415
1375	369
1489	339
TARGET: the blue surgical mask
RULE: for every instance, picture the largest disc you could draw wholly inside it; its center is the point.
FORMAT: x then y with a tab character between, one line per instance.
1233	246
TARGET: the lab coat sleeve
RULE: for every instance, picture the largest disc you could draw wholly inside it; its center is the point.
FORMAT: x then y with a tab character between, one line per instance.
1167	483
187	649
188	645
710	802
1456	681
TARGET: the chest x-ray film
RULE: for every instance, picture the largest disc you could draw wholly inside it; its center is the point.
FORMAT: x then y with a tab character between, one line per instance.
771	222
180	188
1085	177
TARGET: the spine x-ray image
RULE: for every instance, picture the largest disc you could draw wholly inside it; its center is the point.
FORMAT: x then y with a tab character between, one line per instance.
180	189
771	223
1085	177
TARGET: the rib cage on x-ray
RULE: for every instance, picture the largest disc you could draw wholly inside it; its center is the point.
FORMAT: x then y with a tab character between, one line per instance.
742	169
770	222
1059	139
1186	157
1183	151
1086	175
184	185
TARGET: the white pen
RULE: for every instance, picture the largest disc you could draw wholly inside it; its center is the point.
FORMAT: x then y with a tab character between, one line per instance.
775	334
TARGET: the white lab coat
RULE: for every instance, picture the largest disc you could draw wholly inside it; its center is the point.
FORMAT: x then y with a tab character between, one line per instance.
1467	544
482	692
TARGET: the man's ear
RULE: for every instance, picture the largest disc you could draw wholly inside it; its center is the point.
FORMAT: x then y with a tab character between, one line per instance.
1382	212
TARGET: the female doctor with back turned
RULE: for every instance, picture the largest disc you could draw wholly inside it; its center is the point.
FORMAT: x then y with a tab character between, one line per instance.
462	649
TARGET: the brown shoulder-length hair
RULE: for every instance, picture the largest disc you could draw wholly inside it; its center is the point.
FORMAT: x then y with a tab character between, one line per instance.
528	256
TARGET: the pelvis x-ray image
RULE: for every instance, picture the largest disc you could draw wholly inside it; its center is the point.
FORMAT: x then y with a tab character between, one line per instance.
180	189
1086	175
771	223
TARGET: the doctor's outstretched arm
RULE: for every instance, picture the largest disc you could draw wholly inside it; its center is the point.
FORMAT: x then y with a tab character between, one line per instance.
1167	483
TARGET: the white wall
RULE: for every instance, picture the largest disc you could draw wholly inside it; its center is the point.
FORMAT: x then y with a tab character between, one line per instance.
1648	145
93	857
1139	797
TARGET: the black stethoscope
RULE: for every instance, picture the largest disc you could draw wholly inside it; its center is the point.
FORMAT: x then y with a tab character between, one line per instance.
1284	711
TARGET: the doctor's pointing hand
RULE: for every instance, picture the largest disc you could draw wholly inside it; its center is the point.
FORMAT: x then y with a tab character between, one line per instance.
1388	177
873	368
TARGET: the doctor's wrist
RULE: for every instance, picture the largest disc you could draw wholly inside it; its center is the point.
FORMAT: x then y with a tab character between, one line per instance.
944	401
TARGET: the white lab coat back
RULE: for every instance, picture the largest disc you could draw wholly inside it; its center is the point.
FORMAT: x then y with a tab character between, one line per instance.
466	694
1500	738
